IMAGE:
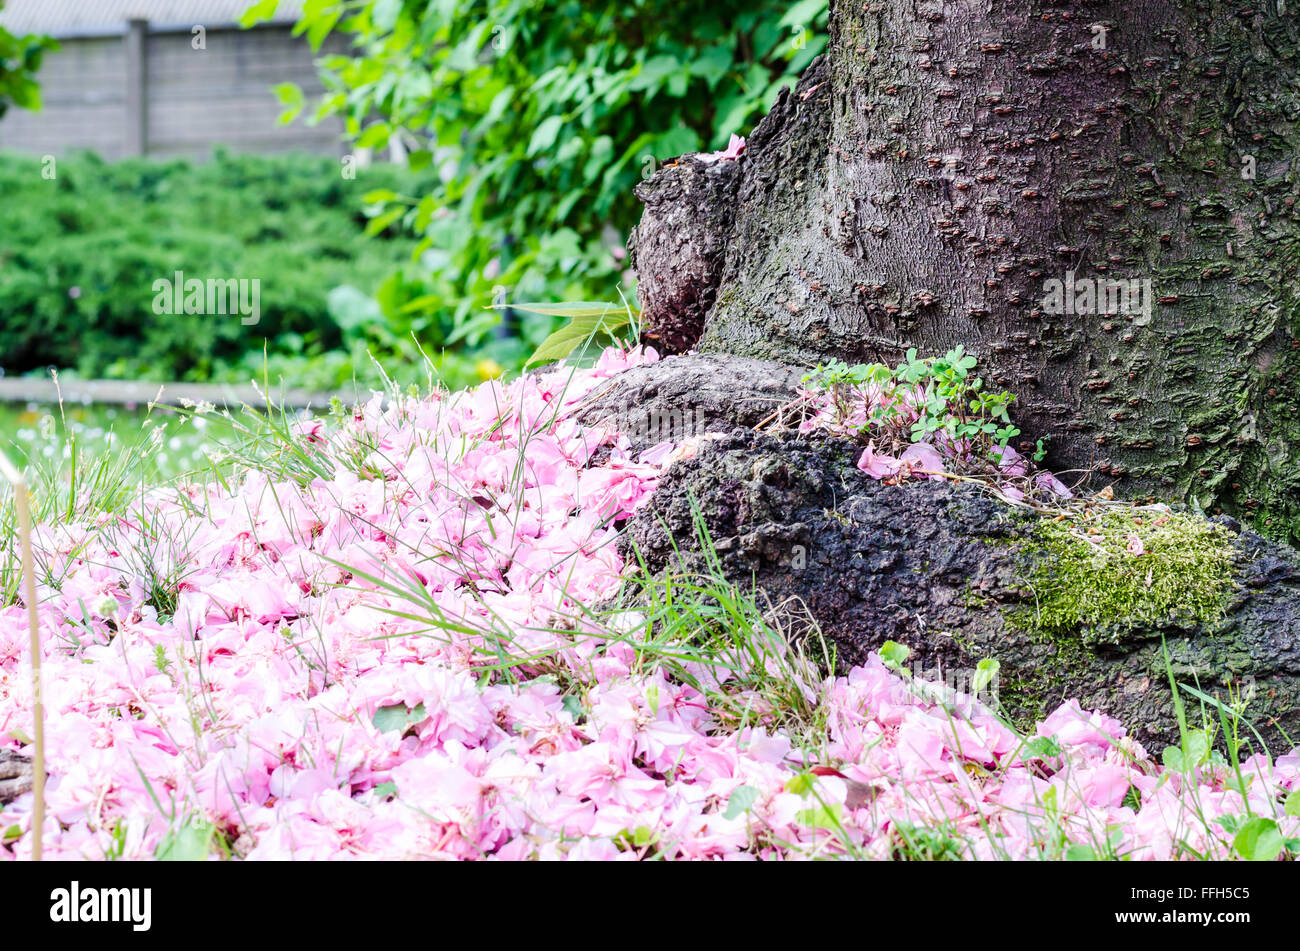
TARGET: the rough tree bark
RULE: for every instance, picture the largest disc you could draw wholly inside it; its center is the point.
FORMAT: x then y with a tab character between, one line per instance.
943	161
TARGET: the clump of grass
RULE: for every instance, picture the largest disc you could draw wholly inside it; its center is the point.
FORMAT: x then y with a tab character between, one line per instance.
1123	567
756	665
918	843
73	485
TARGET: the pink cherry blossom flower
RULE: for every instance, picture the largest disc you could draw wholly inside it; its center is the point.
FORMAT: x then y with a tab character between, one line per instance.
734	150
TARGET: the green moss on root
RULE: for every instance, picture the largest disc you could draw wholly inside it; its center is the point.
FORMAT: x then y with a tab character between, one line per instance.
1100	577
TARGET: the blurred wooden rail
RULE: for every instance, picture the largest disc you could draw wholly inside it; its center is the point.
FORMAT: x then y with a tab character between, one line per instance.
127	392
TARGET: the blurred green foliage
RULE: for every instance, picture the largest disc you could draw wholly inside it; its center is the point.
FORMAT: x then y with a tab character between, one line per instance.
526	124
80	252
539	117
20	58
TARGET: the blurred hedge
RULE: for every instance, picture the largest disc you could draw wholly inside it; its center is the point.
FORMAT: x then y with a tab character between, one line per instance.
79	255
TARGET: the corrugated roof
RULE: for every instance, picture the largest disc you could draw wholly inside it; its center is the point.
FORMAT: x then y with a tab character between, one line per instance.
64	17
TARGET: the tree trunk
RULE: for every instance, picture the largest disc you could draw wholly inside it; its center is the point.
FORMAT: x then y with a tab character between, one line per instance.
943	163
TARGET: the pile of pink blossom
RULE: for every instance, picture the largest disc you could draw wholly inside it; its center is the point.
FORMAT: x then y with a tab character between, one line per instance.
401	660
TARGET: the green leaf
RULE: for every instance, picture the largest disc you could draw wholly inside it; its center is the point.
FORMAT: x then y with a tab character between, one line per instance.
384	14
675	142
376	135
803	13
654	72
1229	823
398	717
290	94
894	655
573	705
473	329
1080	853
1292	806
259	12
544	135
639	838
712	64
192	842
741	801
1042	747
1196	746
381	222
985	671
1259	840
389	719
733	116
801	784
25	93
351	309
386	790
318	27
1194	751
590	320
575	309
826	816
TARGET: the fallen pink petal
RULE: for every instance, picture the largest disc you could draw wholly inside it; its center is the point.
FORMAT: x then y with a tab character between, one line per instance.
325	684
